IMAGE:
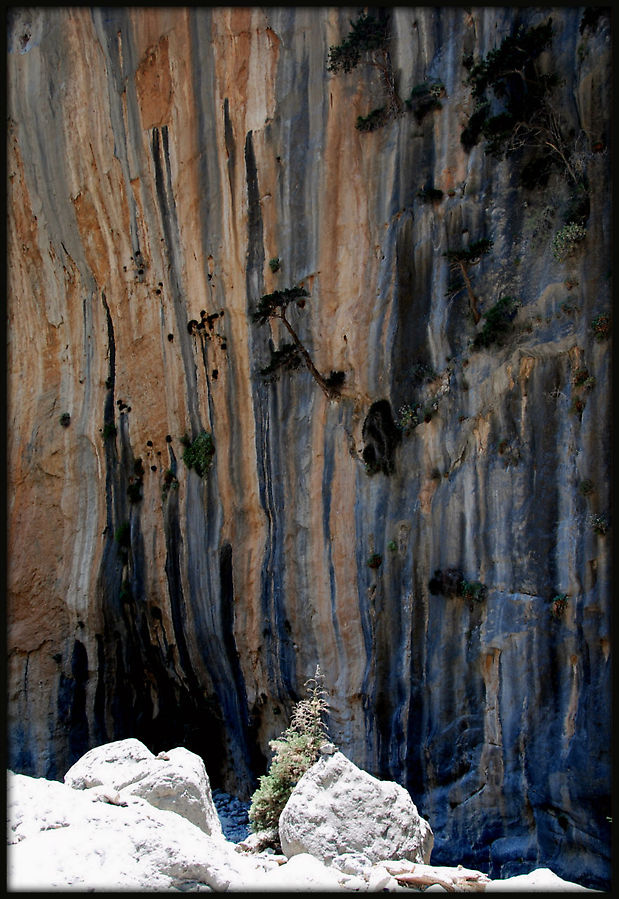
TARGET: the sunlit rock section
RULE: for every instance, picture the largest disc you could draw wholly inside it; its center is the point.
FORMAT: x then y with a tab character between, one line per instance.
167	168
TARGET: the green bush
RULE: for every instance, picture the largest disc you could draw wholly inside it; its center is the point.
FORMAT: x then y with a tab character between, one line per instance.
511	73
582	378
367	35
599	523
335	380
374	560
170	482
559	605
578	205
473	253
424	98
122	535
134	491
65	419
275	304
577	406
565	242
295	751
474	590
422	373
498	322
470	134
199	453
452	583
601	326
409	417
274	264
373	120
286	358
368	42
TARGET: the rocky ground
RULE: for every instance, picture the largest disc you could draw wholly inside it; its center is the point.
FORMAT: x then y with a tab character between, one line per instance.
125	819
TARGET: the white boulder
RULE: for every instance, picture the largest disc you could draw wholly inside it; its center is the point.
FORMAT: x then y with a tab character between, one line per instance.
352	863
174	781
337	808
541	880
64	838
301	874
113	765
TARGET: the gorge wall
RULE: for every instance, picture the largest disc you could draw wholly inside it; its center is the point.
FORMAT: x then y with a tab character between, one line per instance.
158	160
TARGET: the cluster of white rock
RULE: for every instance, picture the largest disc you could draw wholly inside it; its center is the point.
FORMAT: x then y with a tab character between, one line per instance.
125	819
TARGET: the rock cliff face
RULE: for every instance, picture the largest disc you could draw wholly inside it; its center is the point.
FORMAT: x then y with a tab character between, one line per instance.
158	160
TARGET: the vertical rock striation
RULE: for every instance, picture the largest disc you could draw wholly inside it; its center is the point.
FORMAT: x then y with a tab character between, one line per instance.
158	159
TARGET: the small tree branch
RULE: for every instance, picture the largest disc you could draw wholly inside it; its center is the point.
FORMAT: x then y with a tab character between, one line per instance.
469	289
306	357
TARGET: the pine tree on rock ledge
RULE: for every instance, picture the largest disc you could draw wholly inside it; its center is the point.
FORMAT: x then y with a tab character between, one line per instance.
290	355
368	41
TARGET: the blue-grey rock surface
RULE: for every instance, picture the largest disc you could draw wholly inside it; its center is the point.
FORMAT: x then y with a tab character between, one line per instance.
158	161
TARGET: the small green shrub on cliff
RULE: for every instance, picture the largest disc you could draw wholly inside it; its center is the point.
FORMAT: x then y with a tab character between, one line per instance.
498	323
295	751
577	406
474	590
374	560
335	380
274	264
170	482
65	419
517	110
559	605
566	240
134	491
511	73
122	535
599	523
409	417
368	35
424	98
287	357
199	453
452	583
368	43
422	372
373	120
601	326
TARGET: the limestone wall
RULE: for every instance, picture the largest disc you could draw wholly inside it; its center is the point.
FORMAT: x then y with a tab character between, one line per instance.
158	159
